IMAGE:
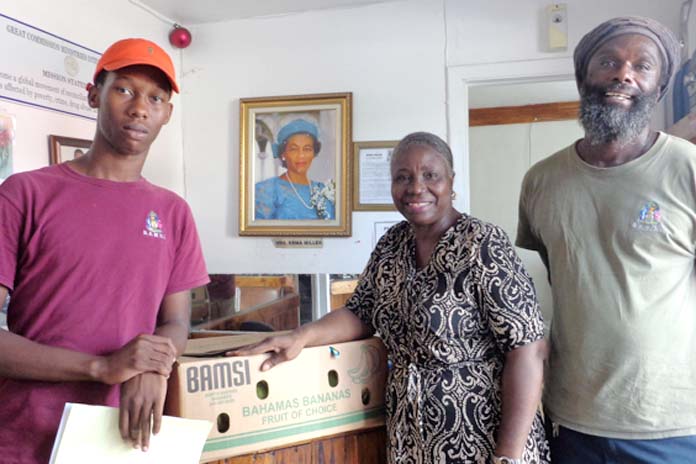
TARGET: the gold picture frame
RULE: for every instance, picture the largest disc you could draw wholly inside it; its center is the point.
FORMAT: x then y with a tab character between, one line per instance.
372	176
64	148
295	165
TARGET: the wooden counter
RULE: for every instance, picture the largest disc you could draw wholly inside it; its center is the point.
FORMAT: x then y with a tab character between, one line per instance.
356	447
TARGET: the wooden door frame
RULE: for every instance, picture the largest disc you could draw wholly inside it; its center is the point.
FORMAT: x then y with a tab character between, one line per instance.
524	114
461	78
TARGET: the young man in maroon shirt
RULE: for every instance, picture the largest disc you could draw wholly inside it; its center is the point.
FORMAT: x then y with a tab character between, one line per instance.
99	264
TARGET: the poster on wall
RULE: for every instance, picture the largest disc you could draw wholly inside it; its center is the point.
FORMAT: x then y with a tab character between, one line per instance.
372	176
52	73
295	165
7	134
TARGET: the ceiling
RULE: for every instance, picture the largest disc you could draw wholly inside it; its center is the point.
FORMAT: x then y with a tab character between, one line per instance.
187	12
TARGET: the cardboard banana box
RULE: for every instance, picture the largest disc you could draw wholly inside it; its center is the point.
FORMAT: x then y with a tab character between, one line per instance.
324	391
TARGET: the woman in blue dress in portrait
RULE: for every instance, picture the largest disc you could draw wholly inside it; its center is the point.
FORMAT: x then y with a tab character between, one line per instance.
292	195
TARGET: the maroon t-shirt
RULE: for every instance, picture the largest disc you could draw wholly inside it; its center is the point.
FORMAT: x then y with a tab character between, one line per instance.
88	263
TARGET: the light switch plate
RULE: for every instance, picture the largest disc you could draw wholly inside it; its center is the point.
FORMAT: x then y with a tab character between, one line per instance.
557	26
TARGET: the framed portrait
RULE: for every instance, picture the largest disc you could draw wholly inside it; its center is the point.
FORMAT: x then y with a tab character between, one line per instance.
66	148
295	165
372	176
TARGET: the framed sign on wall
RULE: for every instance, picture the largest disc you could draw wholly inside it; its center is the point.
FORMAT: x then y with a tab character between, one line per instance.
372	176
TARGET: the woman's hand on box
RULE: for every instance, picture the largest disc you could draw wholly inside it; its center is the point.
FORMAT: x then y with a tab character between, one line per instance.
282	348
340	325
142	405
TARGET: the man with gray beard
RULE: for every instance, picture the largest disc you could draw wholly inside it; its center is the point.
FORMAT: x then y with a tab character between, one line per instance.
613	217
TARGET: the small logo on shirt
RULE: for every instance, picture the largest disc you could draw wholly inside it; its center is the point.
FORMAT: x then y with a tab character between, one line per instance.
649	218
153	226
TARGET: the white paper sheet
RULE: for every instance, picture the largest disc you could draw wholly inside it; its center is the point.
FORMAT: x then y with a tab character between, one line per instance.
89	434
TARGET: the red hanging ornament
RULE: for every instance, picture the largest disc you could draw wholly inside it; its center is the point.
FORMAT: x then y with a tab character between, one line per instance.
180	37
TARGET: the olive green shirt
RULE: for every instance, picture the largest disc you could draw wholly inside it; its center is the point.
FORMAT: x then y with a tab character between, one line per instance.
619	244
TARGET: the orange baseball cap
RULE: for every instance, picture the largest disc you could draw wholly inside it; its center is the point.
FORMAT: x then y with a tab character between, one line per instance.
129	52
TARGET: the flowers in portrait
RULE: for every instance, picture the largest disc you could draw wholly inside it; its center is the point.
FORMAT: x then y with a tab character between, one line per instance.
6	137
320	195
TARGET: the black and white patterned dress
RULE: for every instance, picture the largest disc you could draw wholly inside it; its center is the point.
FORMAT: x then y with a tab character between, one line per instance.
447	328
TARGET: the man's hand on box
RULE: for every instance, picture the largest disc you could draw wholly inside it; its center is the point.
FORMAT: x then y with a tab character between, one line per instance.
145	353
142	404
282	348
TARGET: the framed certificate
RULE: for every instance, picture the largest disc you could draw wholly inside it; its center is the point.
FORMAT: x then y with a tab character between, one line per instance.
372	176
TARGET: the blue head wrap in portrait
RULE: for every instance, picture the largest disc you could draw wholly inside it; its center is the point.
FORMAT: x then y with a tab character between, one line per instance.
296	126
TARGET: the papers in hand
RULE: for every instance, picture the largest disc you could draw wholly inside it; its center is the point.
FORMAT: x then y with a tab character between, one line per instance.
89	434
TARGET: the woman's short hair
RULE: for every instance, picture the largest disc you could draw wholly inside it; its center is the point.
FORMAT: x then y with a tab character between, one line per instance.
425	139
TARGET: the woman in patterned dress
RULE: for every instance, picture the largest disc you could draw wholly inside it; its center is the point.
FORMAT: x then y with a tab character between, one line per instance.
459	317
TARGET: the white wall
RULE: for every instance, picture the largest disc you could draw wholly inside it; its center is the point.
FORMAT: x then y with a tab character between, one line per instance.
94	24
491	31
394	57
496	41
391	56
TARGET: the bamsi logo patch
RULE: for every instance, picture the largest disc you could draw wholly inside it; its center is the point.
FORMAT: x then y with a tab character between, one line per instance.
649	218
153	226
217	376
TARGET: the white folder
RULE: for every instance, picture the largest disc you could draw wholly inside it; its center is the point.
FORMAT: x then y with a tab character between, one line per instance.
89	434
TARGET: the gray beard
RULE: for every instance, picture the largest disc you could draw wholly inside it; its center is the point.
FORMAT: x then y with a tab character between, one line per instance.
607	123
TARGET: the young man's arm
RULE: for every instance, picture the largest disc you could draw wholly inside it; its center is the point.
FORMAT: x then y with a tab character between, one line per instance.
142	397
21	358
